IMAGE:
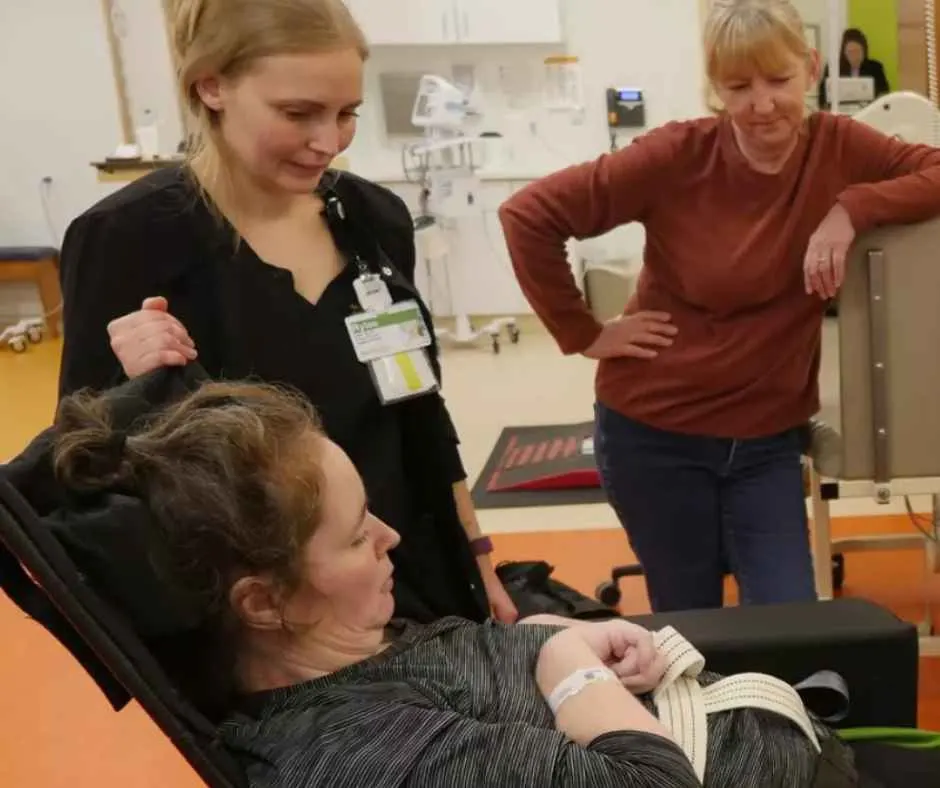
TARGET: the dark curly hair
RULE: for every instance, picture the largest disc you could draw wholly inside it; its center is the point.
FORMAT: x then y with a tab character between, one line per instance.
230	478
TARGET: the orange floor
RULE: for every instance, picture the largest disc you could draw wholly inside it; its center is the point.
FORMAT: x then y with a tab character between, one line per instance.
56	730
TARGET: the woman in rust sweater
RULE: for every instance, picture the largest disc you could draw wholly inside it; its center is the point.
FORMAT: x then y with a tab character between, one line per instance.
705	382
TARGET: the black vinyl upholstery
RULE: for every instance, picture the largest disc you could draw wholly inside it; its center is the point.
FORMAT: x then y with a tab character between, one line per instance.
37	574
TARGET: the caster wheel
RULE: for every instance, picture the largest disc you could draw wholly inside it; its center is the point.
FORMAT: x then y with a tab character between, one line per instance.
34	334
514	334
496	344
18	344
608	593
838	572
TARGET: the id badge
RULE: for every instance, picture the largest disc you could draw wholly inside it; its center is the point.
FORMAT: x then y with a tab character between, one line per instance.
403	376
393	342
372	293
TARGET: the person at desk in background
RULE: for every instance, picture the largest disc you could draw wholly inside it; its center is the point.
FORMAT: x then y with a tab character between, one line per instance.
234	258
855	62
706	384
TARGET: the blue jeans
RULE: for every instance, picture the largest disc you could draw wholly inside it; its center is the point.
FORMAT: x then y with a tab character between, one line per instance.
695	508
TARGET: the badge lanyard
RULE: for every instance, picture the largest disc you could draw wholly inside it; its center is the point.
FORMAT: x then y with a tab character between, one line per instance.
391	338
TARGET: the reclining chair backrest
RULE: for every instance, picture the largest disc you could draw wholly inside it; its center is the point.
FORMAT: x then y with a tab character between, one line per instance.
889	330
37	574
85	580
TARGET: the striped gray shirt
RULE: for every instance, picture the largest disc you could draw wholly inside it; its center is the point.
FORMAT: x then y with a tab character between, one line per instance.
455	705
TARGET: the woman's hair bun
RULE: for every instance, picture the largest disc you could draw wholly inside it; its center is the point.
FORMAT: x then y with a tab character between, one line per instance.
90	455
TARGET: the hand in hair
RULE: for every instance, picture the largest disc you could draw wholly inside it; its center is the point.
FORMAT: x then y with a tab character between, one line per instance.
150	338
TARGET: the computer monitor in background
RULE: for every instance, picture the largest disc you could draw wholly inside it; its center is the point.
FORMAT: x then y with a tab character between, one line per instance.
853	90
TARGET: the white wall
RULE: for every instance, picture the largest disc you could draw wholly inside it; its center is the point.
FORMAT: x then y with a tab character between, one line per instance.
651	44
60	107
815	12
148	68
59	113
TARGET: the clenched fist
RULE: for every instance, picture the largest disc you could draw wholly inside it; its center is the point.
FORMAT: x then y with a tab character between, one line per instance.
150	338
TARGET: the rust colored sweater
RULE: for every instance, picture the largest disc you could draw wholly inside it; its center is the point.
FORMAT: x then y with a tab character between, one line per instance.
724	255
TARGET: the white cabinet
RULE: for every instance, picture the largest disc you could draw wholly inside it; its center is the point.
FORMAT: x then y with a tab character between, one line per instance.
405	21
418	22
509	21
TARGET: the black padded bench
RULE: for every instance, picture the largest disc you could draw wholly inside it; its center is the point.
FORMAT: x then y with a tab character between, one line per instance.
871	648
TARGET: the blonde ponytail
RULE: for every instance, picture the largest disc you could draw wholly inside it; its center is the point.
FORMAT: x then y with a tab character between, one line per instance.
224	37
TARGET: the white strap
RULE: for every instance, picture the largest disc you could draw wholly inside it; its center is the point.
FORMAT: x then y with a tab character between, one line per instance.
683	704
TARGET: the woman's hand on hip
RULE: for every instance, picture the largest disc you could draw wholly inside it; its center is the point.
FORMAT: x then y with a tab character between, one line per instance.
150	338
824	266
639	335
627	649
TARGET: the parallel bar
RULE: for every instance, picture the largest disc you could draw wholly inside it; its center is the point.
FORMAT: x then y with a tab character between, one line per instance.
878	338
877	543
835	16
821	540
865	488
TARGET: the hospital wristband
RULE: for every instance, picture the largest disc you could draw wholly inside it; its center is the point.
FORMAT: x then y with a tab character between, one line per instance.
576	682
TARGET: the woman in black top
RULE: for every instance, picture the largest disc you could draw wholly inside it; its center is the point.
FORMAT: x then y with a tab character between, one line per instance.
854	62
233	259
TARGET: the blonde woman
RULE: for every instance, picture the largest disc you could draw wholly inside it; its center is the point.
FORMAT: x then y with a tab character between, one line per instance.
705	381
237	259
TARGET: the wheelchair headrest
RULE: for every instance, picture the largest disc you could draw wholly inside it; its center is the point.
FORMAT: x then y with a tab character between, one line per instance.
110	536
82	569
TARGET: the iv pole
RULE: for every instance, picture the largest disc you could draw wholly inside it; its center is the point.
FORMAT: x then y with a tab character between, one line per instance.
837	21
448	181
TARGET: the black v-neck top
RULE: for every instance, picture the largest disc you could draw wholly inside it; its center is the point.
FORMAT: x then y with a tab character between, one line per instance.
306	346
157	237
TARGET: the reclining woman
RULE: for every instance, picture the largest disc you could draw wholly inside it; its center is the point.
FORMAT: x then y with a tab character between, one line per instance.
261	523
